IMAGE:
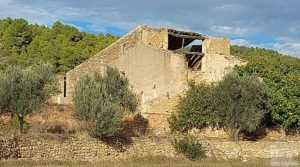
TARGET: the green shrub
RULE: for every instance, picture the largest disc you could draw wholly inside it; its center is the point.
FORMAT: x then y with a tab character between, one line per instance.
194	109
237	103
240	102
108	121
189	147
102	101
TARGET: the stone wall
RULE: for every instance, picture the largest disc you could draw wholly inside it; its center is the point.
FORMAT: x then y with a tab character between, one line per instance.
99	62
155	37
213	45
84	148
247	150
158	113
154	73
9	148
217	61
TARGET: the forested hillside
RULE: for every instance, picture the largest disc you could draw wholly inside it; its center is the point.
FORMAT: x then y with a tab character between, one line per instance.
282	75
62	46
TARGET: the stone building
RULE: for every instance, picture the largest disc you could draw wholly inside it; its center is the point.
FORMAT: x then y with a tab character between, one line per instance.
158	62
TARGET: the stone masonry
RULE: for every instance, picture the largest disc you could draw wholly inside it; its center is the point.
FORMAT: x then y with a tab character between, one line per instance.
84	148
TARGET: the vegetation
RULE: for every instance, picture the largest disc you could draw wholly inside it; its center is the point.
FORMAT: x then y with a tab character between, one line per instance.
62	46
195	109
237	103
282	77
265	92
189	147
240	102
100	97
23	92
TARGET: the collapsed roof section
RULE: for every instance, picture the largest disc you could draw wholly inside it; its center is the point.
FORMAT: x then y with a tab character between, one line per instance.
180	39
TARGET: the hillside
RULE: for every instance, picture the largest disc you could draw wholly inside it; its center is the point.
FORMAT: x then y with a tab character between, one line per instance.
282	76
61	45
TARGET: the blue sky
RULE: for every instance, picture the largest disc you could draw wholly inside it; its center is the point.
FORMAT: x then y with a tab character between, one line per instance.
273	24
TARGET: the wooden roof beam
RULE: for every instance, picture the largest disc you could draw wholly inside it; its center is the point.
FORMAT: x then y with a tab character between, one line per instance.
187	36
195	61
190	53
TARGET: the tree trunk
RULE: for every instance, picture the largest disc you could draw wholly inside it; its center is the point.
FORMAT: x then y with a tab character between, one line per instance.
234	134
21	122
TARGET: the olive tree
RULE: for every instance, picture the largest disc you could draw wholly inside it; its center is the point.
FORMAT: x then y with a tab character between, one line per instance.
194	109
23	92
102	101
240	102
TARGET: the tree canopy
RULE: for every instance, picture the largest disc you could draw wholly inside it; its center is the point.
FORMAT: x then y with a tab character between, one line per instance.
240	102
282	76
23	92
62	46
237	103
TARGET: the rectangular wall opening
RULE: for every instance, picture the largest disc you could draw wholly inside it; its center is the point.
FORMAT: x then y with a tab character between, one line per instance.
189	44
65	86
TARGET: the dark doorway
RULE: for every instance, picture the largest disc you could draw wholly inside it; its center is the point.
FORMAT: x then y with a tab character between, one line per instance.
65	86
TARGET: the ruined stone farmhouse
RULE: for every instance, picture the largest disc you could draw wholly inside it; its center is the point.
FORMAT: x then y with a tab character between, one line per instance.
158	62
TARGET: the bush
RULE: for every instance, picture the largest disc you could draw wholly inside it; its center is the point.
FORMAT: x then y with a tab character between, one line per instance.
108	121
237	103
194	109
102	101
189	147
240	102
23	92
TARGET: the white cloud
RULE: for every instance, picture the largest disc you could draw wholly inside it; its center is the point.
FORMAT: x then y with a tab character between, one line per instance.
229	30
243	42
287	39
292	49
229	7
98	19
34	14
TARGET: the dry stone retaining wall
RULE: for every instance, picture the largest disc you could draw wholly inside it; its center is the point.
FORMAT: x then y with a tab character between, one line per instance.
84	148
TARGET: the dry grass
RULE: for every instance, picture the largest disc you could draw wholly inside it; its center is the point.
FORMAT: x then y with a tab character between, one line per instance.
139	162
54	113
54	118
